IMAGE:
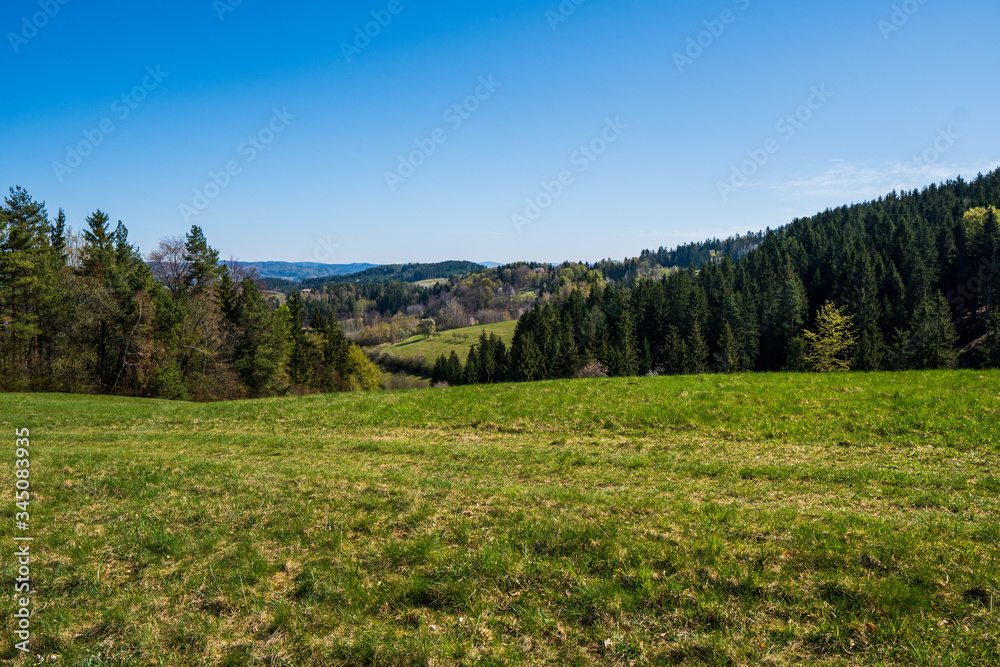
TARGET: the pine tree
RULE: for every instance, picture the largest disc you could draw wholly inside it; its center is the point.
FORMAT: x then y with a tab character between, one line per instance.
118	290
727	358
260	342
25	273
675	355
501	359
990	347
98	262
58	237
697	351
747	333
302	352
440	373
645	366
929	343
456	373
98	248
990	248
229	295
472	369
526	359
786	313
796	360
870	350
202	259
488	370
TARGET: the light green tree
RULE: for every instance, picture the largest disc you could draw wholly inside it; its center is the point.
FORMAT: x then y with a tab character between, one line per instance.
362	372
830	347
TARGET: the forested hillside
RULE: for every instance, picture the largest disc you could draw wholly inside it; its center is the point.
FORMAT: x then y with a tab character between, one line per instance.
407	273
295	271
904	282
907	282
87	313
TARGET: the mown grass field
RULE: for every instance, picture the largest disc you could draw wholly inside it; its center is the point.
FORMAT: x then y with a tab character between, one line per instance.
444	343
714	520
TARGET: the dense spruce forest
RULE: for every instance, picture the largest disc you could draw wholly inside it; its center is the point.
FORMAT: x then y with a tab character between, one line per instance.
904	282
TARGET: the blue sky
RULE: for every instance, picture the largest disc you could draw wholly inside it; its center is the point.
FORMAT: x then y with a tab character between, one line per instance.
683	140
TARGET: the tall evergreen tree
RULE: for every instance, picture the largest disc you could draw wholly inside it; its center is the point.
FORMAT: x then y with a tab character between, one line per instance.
260	345
202	259
929	343
456	373
25	274
727	356
58	237
302	354
697	351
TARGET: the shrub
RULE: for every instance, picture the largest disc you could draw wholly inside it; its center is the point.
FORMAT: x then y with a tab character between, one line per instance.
594	369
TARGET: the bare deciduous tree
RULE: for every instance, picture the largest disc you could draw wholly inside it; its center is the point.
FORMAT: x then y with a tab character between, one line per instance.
169	264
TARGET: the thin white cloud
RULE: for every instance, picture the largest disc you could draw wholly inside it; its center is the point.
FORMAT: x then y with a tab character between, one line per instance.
846	181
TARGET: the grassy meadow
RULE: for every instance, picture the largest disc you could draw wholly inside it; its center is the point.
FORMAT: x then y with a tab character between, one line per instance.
444	343
716	520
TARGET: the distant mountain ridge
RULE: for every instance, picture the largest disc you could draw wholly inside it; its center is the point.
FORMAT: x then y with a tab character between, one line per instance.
406	273
299	271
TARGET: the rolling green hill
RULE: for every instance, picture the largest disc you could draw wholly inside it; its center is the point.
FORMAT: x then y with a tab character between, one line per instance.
444	343
295	271
408	273
843	519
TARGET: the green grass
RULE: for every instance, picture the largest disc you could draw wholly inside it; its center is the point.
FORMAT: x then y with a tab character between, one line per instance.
457	340
714	520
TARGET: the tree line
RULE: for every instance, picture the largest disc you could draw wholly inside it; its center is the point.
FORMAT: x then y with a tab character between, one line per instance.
904	282
86	312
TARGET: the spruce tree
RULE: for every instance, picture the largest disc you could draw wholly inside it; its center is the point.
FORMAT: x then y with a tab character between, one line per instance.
727	357
260	342
302	353
58	237
456	373
202	259
526	359
675	356
472	369
990	249
990	347
440	372
697	351
930	341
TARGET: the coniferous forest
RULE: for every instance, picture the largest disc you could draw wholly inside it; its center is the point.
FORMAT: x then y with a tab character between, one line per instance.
88	313
904	282
913	277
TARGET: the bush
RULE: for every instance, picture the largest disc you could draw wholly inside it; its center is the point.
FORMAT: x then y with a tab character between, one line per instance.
390	362
362	371
403	382
594	369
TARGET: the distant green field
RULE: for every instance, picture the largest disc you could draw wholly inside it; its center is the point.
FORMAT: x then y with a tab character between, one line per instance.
458	340
838	520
